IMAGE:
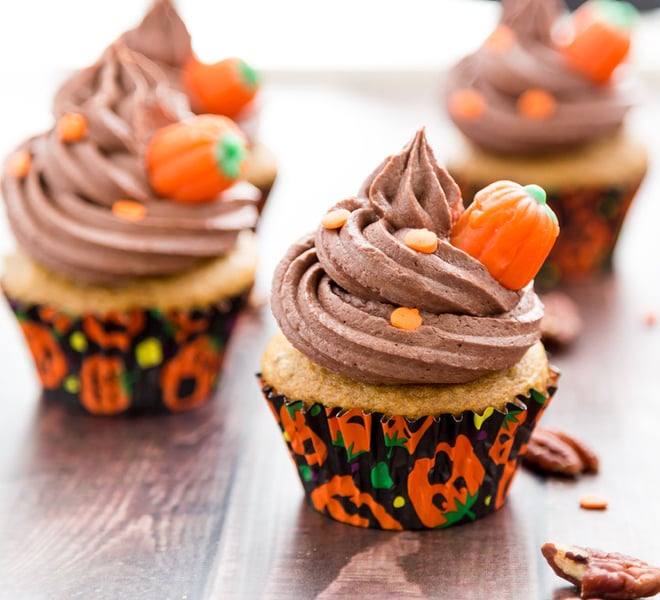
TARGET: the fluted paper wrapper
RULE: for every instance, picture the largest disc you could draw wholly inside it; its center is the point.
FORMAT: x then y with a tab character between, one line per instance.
132	361
371	470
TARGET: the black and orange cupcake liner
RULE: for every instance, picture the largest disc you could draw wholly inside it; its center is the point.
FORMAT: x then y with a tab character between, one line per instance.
131	361
370	470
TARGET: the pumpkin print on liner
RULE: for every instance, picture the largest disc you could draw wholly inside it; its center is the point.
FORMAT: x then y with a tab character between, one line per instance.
131	361
369	470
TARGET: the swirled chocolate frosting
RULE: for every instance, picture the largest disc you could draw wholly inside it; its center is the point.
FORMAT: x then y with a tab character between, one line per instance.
334	292
61	211
531	60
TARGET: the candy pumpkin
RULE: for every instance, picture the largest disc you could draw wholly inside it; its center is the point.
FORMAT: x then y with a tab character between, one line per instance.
222	88
194	160
510	229
601	38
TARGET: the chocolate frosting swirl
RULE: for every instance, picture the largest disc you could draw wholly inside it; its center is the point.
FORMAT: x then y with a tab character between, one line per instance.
585	110
334	291
61	211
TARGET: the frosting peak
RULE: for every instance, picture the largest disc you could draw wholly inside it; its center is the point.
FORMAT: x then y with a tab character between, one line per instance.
161	23
335	292
530	19
411	190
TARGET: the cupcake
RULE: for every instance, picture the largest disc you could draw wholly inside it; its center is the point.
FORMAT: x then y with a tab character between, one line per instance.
536	107
406	377
229	87
126	296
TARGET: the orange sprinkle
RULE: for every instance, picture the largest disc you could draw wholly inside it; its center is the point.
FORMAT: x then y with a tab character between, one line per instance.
536	104
18	164
71	127
467	104
501	39
129	210
335	218
421	240
650	318
593	502
406	318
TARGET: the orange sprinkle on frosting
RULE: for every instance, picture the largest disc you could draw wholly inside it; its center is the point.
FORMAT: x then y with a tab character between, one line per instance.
129	210
71	127
467	104
421	240
18	164
536	104
406	318
501	39
335	218
593	502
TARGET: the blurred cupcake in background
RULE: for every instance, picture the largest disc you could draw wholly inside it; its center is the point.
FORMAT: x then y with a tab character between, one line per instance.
136	245
228	87
408	374
544	100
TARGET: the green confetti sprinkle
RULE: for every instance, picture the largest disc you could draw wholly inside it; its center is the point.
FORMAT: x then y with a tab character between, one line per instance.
316	409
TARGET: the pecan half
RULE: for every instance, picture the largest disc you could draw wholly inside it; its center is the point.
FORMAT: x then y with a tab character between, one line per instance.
554	452
561	323
605	575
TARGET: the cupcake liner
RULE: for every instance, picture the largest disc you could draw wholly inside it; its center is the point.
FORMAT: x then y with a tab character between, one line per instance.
590	220
371	470
128	361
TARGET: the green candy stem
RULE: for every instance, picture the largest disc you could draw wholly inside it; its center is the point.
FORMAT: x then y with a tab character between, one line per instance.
536	192
230	152
539	195
615	12
249	75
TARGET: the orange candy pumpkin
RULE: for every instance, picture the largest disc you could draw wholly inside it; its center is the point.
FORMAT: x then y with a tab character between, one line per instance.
510	229
222	88
601	39
194	160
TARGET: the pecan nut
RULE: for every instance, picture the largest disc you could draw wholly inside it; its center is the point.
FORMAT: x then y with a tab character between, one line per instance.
605	575
554	452
561	324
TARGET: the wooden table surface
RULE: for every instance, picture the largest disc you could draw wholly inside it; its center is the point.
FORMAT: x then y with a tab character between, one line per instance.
208	505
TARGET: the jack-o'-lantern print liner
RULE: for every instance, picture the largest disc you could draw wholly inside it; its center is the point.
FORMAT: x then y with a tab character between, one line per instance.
129	361
590	220
368	470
